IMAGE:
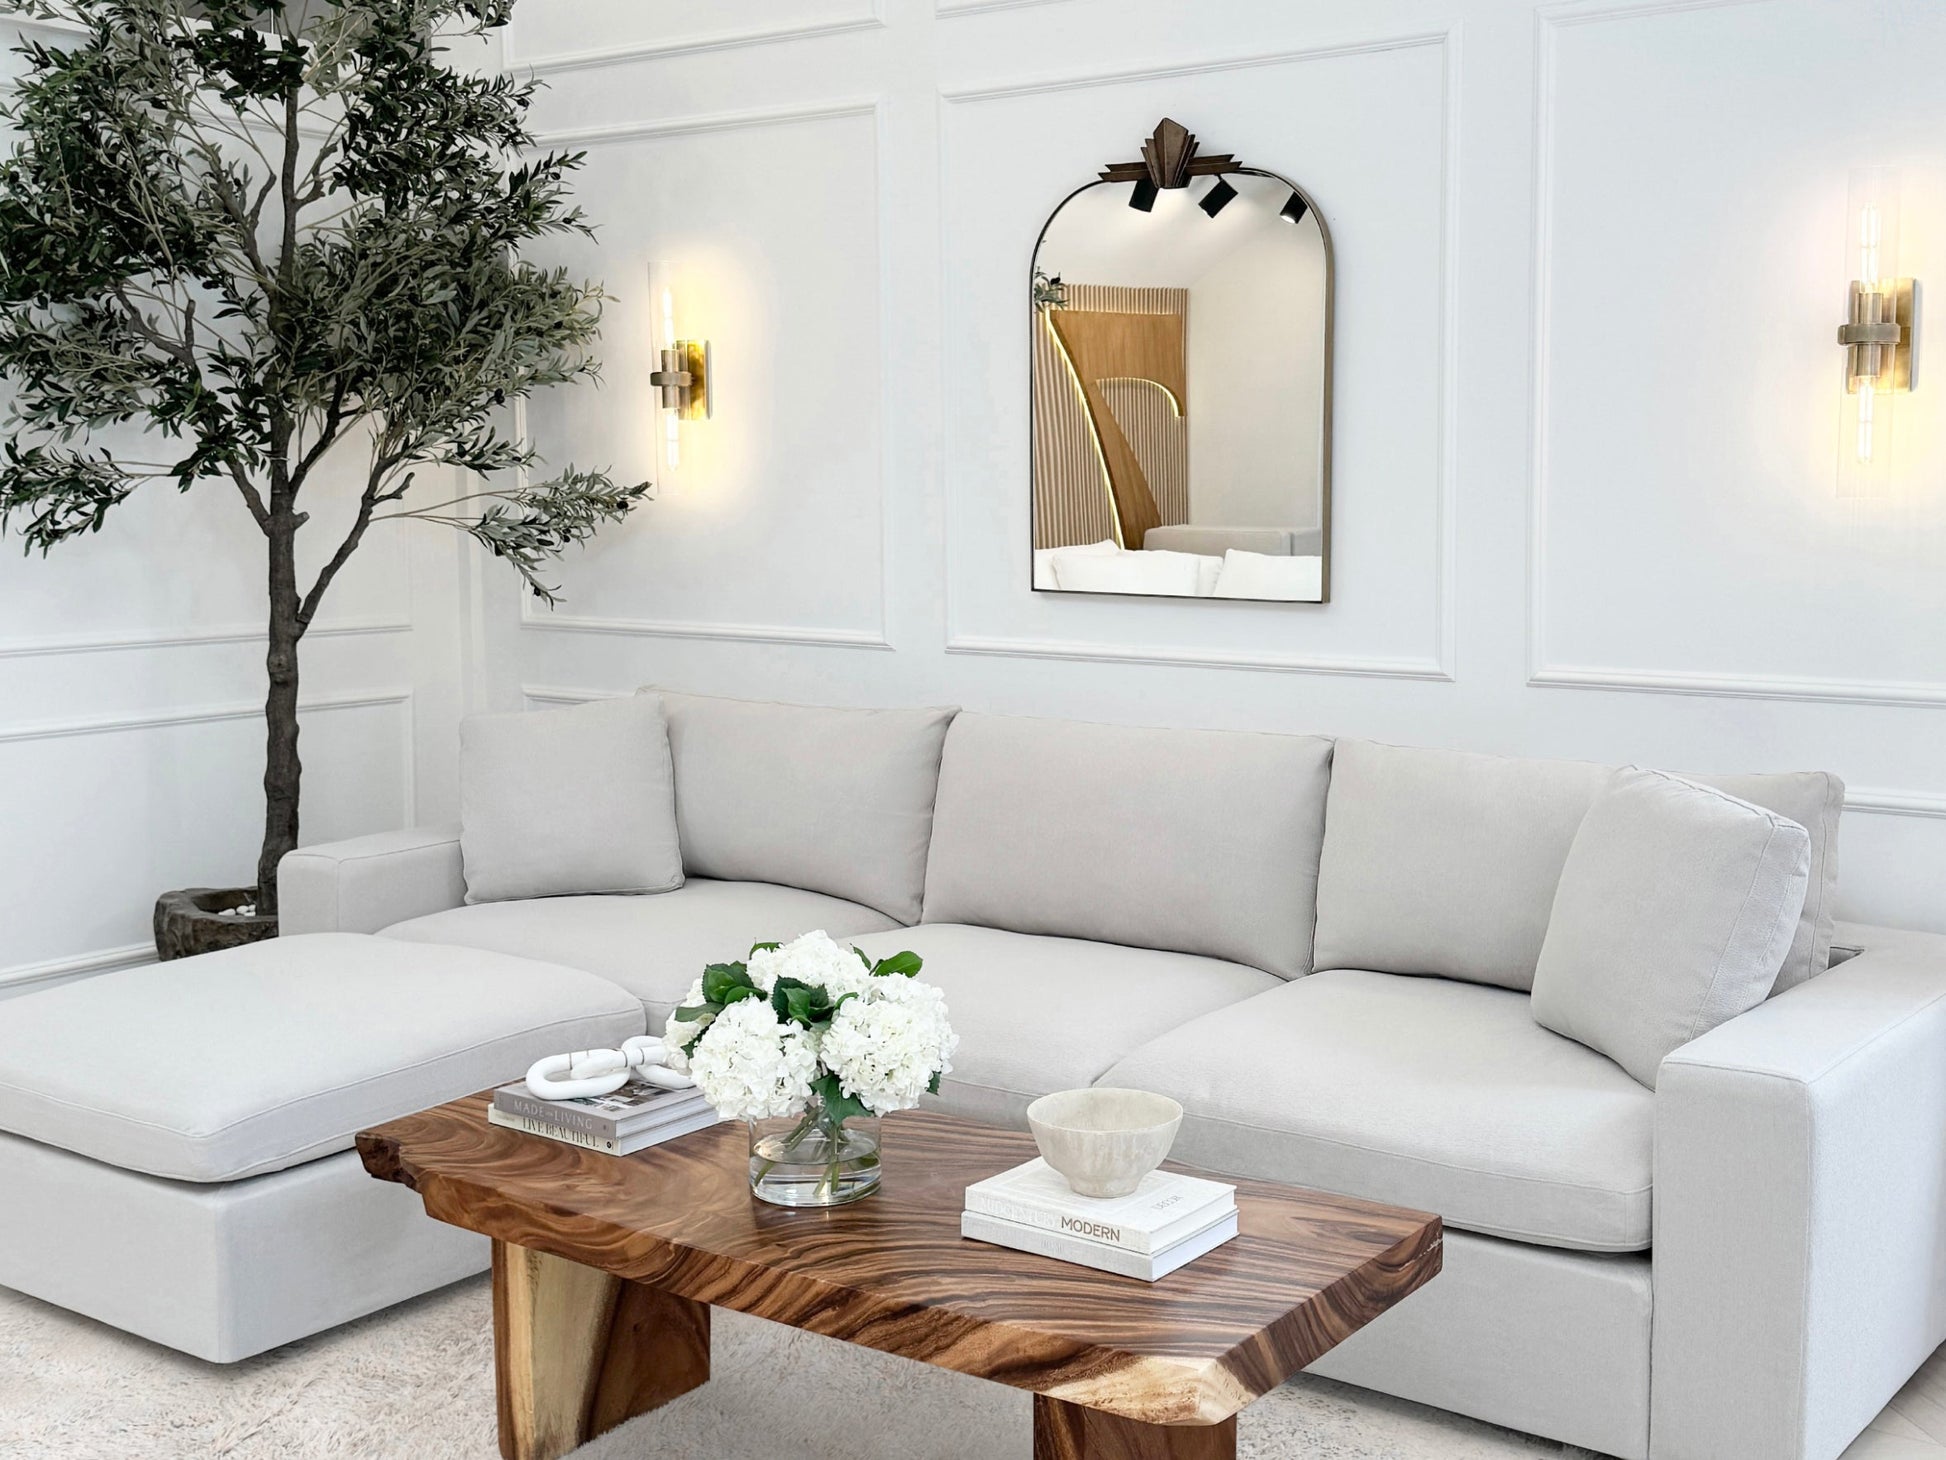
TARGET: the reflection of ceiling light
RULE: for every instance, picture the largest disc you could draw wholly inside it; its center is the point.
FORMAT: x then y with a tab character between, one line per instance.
1143	197
1295	209
1217	198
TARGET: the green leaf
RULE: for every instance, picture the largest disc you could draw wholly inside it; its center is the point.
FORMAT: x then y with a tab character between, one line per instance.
690	1013
738	994
863	957
720	978
756	948
837	1103
796	1001
932	1085
906	964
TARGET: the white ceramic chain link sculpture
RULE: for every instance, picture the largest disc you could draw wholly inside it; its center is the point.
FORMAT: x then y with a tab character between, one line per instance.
643	1059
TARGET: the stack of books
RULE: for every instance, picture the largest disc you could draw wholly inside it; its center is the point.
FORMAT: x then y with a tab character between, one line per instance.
634	1118
1168	1220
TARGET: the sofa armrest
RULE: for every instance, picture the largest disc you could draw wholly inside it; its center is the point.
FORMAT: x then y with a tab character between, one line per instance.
1800	1211
369	882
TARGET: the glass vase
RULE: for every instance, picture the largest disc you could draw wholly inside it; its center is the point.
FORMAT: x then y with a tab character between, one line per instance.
813	1160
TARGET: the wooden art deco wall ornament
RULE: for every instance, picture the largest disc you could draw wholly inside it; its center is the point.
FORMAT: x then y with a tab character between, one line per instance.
1181	309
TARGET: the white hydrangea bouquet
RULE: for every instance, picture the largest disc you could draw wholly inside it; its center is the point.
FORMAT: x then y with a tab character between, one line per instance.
809	1042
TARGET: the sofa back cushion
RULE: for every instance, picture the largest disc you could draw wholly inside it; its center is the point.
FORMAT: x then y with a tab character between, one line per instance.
829	800
1197	841
1815	800
559	802
1446	862
1674	913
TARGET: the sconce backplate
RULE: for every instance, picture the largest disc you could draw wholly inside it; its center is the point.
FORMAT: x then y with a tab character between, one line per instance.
1881	336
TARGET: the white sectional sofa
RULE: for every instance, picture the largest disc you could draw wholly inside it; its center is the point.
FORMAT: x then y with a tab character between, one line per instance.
1323	949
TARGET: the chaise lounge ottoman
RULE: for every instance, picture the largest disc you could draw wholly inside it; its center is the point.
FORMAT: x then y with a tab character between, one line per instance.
176	1140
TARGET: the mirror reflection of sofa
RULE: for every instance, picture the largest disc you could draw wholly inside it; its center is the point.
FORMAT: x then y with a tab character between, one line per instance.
1189	561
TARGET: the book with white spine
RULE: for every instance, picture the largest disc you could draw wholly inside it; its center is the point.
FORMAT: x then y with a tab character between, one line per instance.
1166	1208
1148	1266
616	1116
610	1145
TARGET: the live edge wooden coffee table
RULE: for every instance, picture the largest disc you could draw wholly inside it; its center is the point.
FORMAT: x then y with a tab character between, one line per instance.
605	1269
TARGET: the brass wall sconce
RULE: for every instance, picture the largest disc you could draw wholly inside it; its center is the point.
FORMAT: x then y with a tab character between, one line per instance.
683	379
1880	334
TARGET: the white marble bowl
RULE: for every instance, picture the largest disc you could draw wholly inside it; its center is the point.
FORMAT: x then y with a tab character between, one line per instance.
1104	1141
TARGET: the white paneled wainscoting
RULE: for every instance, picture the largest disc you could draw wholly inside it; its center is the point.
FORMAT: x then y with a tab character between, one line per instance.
1590	265
1591	258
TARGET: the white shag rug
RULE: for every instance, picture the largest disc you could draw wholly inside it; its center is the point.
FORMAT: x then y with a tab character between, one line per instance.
416	1382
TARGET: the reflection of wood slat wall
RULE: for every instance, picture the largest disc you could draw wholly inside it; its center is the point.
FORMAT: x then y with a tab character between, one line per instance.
1071	503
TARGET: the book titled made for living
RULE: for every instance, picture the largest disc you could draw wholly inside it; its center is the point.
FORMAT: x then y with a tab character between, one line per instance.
1166	1209
629	1110
626	1145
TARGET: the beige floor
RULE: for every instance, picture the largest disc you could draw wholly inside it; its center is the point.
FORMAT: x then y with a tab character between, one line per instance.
416	1383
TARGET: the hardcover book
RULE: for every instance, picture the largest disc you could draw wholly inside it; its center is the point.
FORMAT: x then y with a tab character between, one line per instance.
1148	1266
1164	1210
628	1110
626	1145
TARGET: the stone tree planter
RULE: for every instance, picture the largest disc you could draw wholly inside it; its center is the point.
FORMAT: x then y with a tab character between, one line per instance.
203	920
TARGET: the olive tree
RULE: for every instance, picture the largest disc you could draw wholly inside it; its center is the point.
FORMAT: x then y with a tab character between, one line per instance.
256	234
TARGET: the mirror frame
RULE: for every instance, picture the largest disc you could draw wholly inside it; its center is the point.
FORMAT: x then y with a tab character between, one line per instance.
1169	160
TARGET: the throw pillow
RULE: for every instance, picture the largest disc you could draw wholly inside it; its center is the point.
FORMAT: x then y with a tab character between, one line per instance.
1674	912
580	800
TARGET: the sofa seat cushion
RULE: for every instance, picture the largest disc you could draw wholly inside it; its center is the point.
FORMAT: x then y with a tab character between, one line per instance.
263	1057
654	947
1036	1014
1430	1093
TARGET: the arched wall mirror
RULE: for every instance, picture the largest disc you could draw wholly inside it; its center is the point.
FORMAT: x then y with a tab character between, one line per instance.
1181	314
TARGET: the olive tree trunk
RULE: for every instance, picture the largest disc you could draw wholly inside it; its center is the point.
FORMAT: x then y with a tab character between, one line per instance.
283	771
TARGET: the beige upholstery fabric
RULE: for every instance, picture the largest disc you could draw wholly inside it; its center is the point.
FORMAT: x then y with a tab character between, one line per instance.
654	947
1428	1093
267	1056
1036	1014
1553	1343
1815	800
834	801
1200	841
575	800
1800	1234
1444	862
364	883
1675	910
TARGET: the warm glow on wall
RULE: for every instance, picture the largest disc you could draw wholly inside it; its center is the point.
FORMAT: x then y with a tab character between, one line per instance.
1878	335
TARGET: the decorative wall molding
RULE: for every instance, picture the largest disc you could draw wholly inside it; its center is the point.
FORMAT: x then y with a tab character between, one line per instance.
101	960
1190	656
551	694
598	56
954	9
241	710
1541	673
795	634
1441	666
1168	70
194	715
1739	686
181	638
531	618
730	121
1896	803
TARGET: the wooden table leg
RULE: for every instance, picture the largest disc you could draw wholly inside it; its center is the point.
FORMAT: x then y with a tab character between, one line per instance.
1065	1431
576	1351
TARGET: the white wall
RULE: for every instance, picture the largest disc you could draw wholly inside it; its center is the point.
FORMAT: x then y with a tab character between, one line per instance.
131	691
1590	264
1256	372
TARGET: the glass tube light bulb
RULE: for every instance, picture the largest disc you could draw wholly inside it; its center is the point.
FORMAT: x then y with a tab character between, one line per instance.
1865	448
